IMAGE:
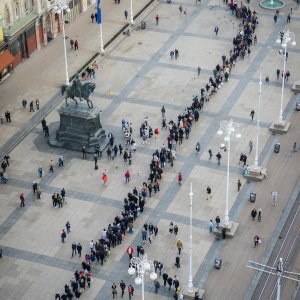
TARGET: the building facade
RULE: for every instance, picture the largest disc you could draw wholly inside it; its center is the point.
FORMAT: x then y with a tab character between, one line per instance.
28	25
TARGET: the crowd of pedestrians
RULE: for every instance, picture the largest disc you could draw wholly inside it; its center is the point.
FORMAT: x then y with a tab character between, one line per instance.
179	130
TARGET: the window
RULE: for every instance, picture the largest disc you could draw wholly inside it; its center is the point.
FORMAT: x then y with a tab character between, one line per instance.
6	15
28	5
17	9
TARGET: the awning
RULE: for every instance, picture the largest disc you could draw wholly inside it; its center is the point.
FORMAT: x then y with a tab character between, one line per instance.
6	59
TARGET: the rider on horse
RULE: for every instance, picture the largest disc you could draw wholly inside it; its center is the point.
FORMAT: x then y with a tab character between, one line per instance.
76	87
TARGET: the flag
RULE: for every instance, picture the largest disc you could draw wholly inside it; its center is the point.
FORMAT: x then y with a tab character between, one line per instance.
99	18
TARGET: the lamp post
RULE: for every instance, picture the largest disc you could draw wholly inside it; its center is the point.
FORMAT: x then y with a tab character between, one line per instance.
131	13
229	128
190	285
284	37
60	7
140	267
99	21
257	125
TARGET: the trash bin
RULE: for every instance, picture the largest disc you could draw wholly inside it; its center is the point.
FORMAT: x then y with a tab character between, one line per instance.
252	197
277	147
143	25
218	263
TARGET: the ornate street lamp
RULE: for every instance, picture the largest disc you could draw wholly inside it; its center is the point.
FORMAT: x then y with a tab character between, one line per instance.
140	267
285	38
62	6
228	128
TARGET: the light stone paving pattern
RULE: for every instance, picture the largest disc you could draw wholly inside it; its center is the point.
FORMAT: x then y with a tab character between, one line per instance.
141	78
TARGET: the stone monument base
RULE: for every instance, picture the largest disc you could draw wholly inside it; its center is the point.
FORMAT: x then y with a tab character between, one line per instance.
256	173
296	87
280	127
79	126
230	230
188	295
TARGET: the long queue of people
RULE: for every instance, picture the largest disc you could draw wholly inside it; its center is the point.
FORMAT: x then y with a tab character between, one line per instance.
135	201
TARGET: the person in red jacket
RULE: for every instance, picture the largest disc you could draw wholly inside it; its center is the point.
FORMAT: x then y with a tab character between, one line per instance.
130	251
179	178
22	199
127	176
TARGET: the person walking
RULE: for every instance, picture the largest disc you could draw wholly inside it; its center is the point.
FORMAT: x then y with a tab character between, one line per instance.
278	73
179	246
267	80
51	166
83	150
63	235
37	104
74	249
198	147
157	19
114	290
96	161
31	109
295	147
175	230
177	262
210	154
130	251
127	176
22	199
104	179
211	225
79	249
170	282
274	198
288	19
219	156
122	287
179	178
253	214
216	30
275	18
156	285
252	113
165	277
72	44
239	185
259	215
256	241
218	221
250	146
126	14
92	17
76	45
208	193
68	227
130	291
163	112
171	227
34	187
199	71
176	51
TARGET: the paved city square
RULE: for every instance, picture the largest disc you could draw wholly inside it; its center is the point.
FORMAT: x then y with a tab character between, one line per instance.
135	79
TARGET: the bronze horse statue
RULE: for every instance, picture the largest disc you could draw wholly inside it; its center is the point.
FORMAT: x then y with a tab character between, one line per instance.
78	90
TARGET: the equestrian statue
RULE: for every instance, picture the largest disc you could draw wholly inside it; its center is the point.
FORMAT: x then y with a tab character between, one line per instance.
77	89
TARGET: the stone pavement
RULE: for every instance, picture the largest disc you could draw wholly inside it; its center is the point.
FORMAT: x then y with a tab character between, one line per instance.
142	78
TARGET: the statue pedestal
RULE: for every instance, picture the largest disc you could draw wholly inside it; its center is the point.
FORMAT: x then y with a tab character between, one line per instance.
277	127
79	126
230	229
256	173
